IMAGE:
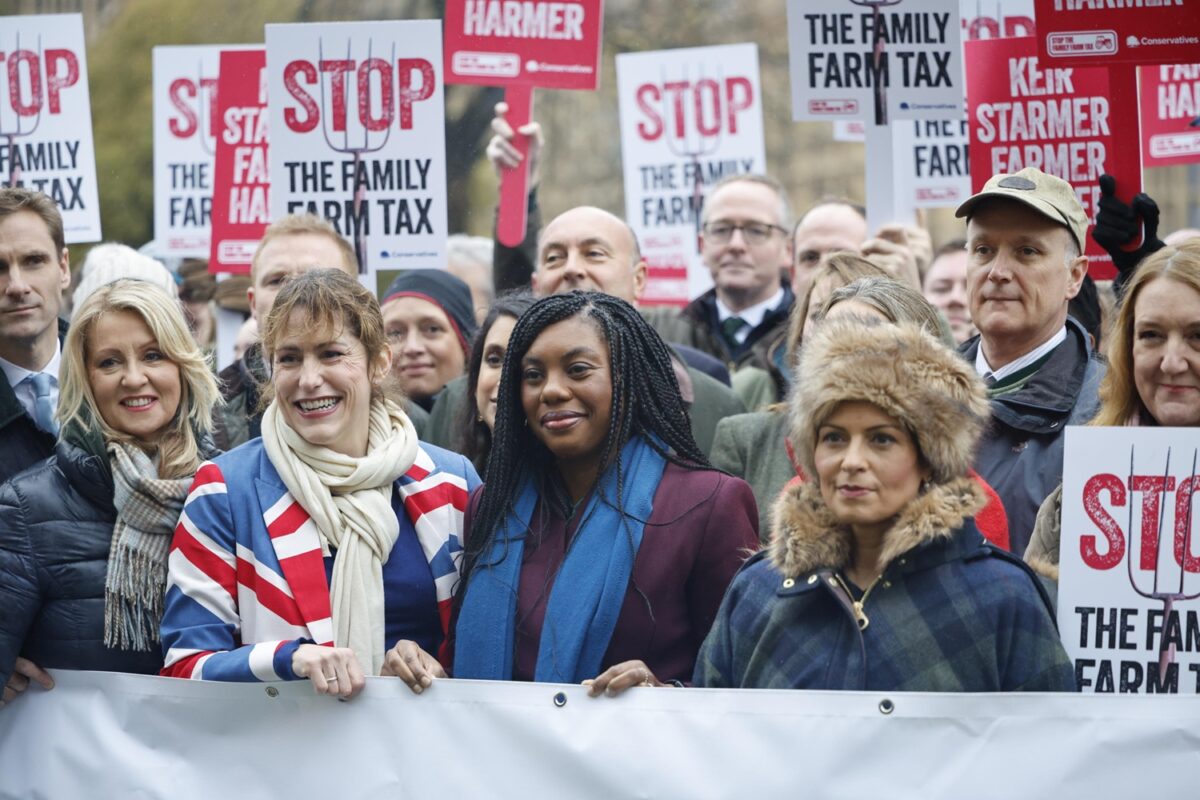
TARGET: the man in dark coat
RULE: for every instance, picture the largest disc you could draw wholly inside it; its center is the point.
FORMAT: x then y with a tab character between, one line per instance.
34	271
1025	242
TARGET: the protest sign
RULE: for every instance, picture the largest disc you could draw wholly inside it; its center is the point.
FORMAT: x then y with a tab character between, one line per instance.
551	44
241	184
1118	31
995	19
1128	584
107	735
1170	100
357	124
689	117
185	139
875	59
46	118
1058	119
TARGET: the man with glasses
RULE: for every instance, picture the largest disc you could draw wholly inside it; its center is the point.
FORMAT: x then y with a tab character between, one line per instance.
744	243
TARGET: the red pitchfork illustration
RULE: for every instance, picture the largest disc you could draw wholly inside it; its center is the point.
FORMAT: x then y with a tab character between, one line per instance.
368	145
693	147
12	132
1183	553
205	128
881	114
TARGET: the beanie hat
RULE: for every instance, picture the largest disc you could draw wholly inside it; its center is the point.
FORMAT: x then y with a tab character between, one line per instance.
445	291
927	387
106	263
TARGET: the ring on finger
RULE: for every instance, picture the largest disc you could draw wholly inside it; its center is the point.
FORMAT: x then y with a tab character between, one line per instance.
331	678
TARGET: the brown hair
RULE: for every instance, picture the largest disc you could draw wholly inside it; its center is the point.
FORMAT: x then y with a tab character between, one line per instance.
332	301
295	224
842	266
1119	399
14	199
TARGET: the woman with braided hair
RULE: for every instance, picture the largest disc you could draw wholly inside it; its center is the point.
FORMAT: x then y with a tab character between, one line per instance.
602	541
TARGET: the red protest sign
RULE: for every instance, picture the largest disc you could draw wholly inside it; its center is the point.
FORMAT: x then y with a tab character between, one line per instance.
550	44
241	203
1118	31
547	44
1058	119
1170	99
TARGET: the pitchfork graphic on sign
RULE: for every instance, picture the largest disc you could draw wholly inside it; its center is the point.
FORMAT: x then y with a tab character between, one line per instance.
11	131
688	141
881	114
205	129
1183	554
369	144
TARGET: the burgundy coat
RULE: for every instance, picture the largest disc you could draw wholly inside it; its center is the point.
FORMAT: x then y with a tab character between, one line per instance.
703	526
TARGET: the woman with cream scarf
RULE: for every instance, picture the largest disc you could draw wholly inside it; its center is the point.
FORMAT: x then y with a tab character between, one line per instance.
311	551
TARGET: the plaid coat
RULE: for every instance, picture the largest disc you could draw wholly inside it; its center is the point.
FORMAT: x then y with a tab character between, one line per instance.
950	613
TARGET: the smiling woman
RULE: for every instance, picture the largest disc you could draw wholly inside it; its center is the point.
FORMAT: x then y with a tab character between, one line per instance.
603	540
324	508
1153	373
135	411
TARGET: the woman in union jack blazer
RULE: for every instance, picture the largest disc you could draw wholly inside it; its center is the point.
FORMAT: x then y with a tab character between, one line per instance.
311	551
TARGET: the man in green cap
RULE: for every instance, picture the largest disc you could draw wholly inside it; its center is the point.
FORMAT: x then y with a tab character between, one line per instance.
1026	234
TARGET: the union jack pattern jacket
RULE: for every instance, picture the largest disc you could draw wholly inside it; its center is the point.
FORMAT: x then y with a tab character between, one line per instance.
246	583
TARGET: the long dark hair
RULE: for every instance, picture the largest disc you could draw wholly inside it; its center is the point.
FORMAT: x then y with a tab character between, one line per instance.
474	438
645	400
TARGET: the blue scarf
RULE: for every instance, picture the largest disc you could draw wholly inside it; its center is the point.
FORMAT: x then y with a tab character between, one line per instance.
589	589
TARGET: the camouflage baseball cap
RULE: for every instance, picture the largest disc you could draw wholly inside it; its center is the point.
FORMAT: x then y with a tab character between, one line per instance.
1049	195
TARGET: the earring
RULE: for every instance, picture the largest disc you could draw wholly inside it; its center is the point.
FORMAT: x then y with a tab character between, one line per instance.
478	417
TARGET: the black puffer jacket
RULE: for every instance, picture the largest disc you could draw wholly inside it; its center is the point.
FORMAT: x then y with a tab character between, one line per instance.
56	523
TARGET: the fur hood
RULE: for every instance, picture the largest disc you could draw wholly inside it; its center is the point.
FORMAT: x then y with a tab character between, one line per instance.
905	372
808	536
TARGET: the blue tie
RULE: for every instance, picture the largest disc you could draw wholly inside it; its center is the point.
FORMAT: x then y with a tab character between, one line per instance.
43	407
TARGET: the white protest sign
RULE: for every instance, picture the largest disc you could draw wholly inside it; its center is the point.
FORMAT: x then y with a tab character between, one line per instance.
185	134
46	117
878	60
357	123
113	736
689	118
1129	562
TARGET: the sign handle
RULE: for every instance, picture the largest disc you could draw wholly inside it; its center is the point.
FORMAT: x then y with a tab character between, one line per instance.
514	195
1127	168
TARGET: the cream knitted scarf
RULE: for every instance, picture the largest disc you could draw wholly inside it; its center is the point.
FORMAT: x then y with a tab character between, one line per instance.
350	502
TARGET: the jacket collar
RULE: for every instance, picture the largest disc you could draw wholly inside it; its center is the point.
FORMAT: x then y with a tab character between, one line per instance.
1045	401
808	537
703	312
10	406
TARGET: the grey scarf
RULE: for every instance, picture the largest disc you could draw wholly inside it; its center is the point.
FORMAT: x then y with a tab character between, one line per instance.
147	509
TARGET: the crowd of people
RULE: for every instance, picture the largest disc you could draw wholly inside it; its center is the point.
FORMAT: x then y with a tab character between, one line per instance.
839	468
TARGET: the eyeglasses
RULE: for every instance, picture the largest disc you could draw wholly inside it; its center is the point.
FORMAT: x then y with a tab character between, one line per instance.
755	233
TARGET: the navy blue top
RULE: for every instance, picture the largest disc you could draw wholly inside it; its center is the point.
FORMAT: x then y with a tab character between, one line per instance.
409	597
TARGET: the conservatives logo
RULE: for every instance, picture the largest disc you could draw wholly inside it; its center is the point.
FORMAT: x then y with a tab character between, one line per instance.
1133	41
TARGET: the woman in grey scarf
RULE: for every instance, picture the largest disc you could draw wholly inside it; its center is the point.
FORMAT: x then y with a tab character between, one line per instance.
84	534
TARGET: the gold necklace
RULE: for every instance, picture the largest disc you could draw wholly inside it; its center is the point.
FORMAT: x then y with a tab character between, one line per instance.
860	616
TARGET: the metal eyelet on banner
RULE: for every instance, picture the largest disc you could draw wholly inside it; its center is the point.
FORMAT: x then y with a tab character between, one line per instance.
560	699
886	706
272	691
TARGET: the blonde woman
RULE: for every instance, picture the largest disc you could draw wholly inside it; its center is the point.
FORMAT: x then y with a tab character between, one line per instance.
84	534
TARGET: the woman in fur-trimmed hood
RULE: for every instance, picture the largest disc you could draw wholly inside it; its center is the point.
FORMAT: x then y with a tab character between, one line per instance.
876	577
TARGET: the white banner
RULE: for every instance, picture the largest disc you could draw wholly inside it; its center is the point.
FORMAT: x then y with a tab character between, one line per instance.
1127	596
46	117
107	735
689	117
185	140
878	60
357	123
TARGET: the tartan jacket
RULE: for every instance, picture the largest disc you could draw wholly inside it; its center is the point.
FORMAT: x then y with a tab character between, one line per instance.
949	613
246	582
